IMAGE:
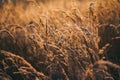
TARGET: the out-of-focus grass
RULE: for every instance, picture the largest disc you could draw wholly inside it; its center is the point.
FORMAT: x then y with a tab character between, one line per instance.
59	38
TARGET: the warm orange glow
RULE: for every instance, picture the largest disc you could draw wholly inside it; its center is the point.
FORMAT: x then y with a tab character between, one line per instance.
59	39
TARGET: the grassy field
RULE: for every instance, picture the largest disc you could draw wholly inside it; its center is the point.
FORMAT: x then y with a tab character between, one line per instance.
59	40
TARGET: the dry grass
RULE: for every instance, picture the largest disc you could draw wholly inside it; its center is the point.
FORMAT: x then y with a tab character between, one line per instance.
64	41
16	68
